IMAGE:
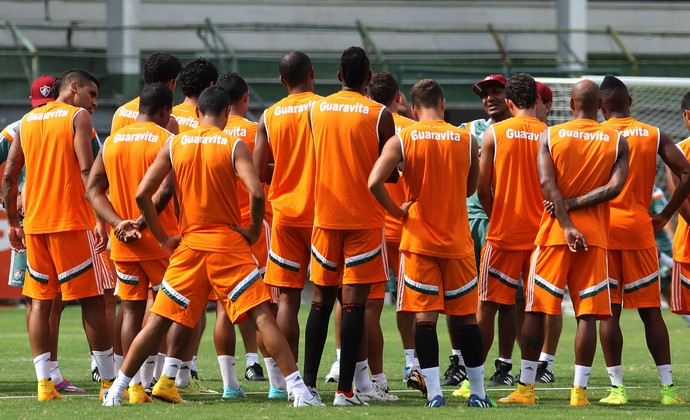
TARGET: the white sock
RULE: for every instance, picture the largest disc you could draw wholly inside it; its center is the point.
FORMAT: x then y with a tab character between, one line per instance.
295	385
118	360
252	358
55	374
146	371
409	357
227	371
171	367
136	379
275	376
615	375
432	377
160	364
581	376
121	382
337	355
665	374
416	364
42	366
362	380
105	363
184	375
93	362
528	371
380	378
193	365
476	378
548	358
458	353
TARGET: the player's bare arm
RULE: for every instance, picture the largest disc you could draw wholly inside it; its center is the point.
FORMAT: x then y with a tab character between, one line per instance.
262	152
173	126
244	167
161	199
486	169
473	175
386	133
391	156
680	167
672	180
10	183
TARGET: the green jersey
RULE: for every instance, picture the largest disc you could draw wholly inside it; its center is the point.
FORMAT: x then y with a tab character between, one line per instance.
663	243
476	127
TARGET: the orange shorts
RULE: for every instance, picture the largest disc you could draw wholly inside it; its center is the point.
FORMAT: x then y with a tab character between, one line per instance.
447	285
393	249
134	278
680	288
634	278
289	256
360	255
192	275
554	267
104	271
60	262
500	273
377	291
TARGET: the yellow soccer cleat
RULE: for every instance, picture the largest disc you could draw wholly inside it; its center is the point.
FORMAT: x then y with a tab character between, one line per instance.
195	387
578	397
166	390
105	386
523	395
464	390
617	396
669	396
137	395
46	391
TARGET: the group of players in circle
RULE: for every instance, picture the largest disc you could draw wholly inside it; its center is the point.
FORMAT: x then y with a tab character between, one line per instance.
201	204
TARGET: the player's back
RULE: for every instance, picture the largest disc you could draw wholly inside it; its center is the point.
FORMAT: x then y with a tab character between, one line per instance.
631	224
437	160
186	117
127	154
125	115
583	153
54	187
245	130
681	239
517	202
346	142
292	186
396	190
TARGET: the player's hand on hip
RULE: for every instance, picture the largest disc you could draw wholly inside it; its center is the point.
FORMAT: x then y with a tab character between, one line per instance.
658	222
17	241
170	243
127	231
249	234
405	208
575	239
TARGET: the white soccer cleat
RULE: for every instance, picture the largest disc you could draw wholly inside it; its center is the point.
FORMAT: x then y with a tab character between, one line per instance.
113	399
300	401
334	374
341	400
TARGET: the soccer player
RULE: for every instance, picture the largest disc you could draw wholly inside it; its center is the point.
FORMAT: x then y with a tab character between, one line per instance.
59	132
545	102
633	262
349	132
213	250
506	188
571	248
437	160
196	76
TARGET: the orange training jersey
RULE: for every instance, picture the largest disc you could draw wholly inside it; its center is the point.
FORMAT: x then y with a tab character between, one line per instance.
127	154
53	175
206	187
125	115
245	130
631	224
437	159
292	187
583	153
346	141
517	203
186	117
681	246
397	190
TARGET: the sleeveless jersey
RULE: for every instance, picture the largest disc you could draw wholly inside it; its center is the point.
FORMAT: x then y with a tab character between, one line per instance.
517	204
53	175
125	115
206	187
631	224
245	130
437	160
583	153
477	128
186	117
127	154
681	246
346	141
289	136
397	190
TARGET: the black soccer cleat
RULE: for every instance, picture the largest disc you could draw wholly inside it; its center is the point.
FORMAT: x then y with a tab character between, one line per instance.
544	375
455	373
502	376
254	373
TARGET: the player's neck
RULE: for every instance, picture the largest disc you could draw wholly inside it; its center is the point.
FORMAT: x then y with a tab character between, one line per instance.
359	90
294	90
526	112
190	101
143	118
584	115
212	121
429	114
619	114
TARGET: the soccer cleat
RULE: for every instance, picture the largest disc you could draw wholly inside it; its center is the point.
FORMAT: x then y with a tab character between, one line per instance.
544	375
312	391
334	374
464	390
230	393
502	376
194	374
275	393
385	391
254	373
578	396
436	402
669	396
66	386
523	395
455	373
105	386
377	393
300	401
95	375
138	395
195	387
407	371
165	390
475	401
113	400
416	381
617	396
46	391
342	400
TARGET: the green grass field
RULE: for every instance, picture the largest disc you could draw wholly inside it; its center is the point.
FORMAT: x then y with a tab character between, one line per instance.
18	386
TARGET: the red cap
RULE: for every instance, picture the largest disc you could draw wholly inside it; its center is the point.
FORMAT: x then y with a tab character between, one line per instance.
544	92
492	79
42	90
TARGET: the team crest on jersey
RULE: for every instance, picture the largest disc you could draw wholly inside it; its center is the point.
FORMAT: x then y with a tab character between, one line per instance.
45	90
18	274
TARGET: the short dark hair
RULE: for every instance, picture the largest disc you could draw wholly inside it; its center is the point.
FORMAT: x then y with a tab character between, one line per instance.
65	78
383	87
354	66
685	102
161	67
426	93
611	84
234	84
522	90
294	67
213	101
196	76
154	97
